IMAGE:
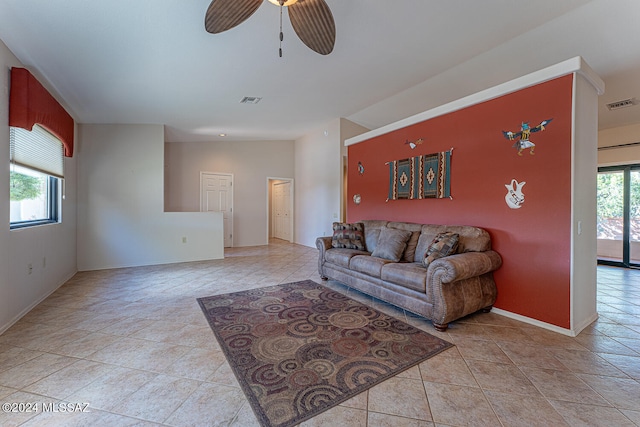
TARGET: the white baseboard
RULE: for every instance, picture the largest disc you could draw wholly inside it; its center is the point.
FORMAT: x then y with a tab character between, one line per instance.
569	332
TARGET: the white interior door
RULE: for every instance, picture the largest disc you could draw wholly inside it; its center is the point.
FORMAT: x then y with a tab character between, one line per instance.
282	210
216	195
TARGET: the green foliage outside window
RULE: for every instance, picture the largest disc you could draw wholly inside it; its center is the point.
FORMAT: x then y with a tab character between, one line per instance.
24	187
611	198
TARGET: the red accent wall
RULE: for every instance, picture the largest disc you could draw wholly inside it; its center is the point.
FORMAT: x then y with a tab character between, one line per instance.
534	241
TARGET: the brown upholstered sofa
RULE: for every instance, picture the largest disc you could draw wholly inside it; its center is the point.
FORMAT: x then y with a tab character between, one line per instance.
448	288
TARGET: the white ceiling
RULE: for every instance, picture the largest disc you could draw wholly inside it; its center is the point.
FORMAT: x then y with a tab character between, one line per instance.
151	61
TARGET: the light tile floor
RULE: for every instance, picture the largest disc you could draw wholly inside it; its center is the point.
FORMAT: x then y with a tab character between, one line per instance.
134	345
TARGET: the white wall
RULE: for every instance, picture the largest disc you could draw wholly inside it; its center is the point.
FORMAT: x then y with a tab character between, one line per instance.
583	205
250	162
19	290
121	218
319	179
618	136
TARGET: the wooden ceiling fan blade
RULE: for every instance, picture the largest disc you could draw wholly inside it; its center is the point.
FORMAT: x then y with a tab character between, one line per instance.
223	15
313	23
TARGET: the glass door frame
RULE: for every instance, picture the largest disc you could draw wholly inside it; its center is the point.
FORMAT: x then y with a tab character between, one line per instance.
626	215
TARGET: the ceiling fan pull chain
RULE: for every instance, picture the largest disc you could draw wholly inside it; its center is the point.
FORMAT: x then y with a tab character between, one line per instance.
281	35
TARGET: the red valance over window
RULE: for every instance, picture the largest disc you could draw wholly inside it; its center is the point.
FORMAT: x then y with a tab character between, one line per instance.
30	103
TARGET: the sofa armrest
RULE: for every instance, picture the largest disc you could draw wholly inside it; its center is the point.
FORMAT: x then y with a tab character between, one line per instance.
461	284
464	266
323	244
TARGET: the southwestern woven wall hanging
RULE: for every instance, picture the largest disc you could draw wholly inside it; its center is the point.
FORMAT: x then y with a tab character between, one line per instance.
421	177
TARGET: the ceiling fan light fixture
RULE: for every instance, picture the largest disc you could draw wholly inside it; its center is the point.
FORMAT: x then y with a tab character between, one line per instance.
286	3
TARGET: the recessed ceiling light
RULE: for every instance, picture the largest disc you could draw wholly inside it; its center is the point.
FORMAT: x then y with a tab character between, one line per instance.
222	134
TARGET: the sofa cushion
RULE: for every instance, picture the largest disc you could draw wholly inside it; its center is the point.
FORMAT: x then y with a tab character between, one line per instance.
341	257
416	229
410	275
372	232
391	244
348	236
444	244
371	238
366	264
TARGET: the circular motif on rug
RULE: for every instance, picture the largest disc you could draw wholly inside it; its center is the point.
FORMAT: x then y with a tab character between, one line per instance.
255	317
269	329
380	323
365	311
322	367
381	353
275	348
401	327
320	396
350	347
348	320
280	411
236	328
240	341
245	360
287	366
257	292
302	328
321	319
355	374
322	307
332	296
293	313
382	336
409	350
360	334
303	378
264	301
327	334
337	305
267	377
312	293
316	351
273	308
294	297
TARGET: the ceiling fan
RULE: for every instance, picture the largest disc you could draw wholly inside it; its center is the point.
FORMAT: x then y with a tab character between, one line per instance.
311	19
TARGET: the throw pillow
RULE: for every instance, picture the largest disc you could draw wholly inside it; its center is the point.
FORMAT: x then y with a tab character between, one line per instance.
444	244
410	251
348	236
391	244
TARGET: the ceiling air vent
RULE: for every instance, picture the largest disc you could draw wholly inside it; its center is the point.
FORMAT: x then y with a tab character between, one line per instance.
622	104
250	100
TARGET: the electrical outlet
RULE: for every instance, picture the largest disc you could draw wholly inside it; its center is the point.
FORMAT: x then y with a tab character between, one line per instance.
184	240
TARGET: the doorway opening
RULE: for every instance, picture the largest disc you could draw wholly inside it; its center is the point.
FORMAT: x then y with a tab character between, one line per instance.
619	216
280	209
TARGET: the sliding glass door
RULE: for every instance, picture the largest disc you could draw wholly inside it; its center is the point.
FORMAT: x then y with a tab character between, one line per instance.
619	215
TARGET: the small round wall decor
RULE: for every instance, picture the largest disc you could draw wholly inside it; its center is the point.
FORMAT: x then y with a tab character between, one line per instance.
357	199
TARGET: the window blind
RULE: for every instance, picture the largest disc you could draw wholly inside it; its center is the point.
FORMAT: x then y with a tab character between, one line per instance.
37	149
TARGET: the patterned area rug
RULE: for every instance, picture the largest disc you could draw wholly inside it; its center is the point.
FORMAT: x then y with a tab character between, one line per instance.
300	348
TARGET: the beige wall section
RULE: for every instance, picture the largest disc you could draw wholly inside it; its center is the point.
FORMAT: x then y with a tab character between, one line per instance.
121	218
50	249
619	136
319	179
250	162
